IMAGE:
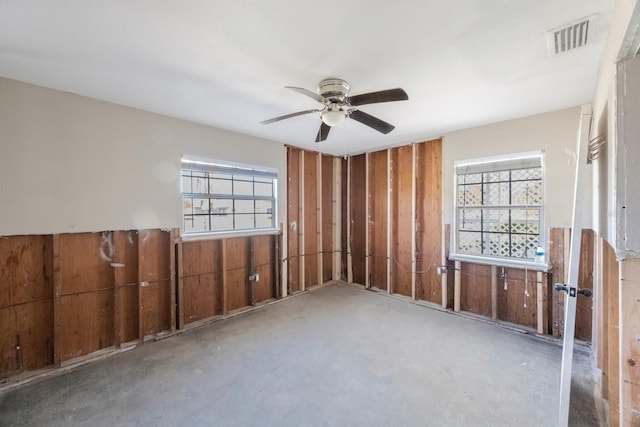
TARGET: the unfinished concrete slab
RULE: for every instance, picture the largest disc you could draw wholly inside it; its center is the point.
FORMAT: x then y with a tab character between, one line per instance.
339	355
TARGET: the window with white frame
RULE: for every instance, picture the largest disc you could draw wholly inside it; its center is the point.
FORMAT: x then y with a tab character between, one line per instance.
499	208
218	197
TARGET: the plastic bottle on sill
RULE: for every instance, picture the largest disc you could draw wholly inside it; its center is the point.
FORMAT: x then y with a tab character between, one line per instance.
539	255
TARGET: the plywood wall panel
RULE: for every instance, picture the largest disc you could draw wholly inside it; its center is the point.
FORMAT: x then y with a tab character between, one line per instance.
125	244
327	217
86	323
293	197
513	304
310	219
155	306
29	327
558	249
345	218
129	312
264	259
475	285
201	295
378	177
401	178
429	220
86	262
26	269
201	257
584	305
358	217
154	258
238	271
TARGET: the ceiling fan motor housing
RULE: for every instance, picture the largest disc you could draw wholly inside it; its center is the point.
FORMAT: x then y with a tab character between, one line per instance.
333	90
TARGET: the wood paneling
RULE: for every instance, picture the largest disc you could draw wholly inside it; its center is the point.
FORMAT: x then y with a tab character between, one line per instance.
154	267
86	262
202	279
558	251
238	271
475	284
518	303
264	258
584	305
629	342
401	178
327	217
378	177
358	217
612	384
310	219
345	218
293	193
429	220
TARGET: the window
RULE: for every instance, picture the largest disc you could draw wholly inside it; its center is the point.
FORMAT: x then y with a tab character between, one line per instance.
222	198
499	208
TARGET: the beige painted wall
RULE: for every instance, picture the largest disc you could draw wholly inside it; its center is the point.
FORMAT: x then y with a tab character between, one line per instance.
73	164
554	133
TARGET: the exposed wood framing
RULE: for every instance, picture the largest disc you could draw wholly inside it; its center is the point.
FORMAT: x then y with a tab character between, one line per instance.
456	287
389	253
57	309
337	218
301	222
225	279
367	253
319	249
540	305
629	303
494	292
180	297
413	221
173	237
349	221
140	284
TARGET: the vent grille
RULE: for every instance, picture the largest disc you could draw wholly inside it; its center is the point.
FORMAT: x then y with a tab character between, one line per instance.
569	37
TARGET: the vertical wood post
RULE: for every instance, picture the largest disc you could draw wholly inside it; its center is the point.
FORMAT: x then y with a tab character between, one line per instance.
539	302
276	266
140	241
413	221
224	278
180	296
443	261
252	270
349	222
174	233
456	287
301	221
118	281
57	308
389	254
319	248
337	219
367	250
494	292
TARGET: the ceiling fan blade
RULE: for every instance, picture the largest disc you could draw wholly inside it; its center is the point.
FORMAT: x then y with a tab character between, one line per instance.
307	92
380	96
288	116
373	122
323	132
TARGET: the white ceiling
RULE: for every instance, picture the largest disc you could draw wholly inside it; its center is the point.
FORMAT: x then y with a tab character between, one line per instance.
225	63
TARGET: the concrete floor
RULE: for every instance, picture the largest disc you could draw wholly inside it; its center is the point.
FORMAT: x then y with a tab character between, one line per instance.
336	356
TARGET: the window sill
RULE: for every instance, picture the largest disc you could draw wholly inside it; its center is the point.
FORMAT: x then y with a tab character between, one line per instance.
214	235
501	262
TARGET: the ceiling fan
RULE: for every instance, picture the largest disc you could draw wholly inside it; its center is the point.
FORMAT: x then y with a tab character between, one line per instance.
337	105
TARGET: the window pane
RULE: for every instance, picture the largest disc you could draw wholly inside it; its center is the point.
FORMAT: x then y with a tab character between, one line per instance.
526	193
200	206
221	222
186	184
243	206
221	206
200	185
199	224
470	195
496	244
187	206
470	219
496	220
496	194
263	189
473	178
244	221
264	206
523	246
242	188
525	221
469	242
524	174
221	186
264	220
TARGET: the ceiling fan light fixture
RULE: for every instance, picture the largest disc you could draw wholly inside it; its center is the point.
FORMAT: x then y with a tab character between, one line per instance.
333	117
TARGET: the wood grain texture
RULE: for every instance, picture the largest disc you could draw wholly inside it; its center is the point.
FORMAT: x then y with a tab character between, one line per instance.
201	279
310	219
514	305
344	217
429	220
86	262
155	306
358	217
293	197
327	217
584	305
613	344
125	293
402	159
238	270
630	342
378	176
154	271
475	288
557	250
264	260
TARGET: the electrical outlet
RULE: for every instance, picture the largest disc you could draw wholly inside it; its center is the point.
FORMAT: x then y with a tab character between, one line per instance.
254	277
441	269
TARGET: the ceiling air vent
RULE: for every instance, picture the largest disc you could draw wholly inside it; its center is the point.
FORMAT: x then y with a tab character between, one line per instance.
569	37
